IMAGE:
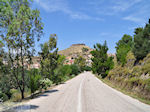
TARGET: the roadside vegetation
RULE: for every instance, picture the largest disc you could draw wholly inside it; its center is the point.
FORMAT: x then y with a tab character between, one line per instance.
20	28
131	69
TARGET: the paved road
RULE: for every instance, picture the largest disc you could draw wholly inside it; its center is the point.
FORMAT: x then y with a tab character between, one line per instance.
85	93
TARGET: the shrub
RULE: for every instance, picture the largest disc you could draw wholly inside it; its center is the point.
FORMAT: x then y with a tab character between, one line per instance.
130	60
146	68
86	68
75	69
45	83
16	96
62	73
148	84
3	96
34	80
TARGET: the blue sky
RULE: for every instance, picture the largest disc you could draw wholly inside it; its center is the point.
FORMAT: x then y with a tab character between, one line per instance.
91	21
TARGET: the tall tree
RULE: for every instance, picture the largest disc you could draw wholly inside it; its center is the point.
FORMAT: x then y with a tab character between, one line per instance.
20	27
101	63
49	57
123	46
142	42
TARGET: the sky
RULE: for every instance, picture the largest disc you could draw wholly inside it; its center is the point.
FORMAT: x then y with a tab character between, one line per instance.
91	21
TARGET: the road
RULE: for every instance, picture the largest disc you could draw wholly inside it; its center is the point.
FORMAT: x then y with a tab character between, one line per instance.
84	93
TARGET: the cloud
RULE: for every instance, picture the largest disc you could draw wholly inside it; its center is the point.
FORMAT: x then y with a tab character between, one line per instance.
132	18
62	6
112	7
140	16
124	5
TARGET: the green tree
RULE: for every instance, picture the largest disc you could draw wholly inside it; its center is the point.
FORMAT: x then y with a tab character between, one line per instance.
101	63
141	45
123	46
81	62
34	80
49	57
21	26
75	70
62	73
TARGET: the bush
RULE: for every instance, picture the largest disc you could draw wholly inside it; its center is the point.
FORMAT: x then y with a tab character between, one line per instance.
45	83
130	60
147	84
86	68
3	96
62	74
34	80
146	68
75	69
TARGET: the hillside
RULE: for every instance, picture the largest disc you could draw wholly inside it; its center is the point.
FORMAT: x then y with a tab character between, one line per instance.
132	78
75	49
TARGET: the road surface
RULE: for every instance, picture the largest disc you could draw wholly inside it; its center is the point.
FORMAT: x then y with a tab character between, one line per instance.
84	93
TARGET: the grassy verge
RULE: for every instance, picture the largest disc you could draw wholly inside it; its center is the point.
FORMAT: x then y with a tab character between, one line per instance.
123	90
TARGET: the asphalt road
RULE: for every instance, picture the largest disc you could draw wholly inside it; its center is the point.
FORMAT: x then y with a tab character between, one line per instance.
84	93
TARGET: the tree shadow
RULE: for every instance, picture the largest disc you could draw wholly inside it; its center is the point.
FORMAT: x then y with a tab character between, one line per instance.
21	108
45	93
51	91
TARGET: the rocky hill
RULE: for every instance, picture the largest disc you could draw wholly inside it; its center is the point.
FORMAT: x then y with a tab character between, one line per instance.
76	49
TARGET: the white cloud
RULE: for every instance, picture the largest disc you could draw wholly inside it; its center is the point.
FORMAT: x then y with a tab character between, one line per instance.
132	18
123	5
62	6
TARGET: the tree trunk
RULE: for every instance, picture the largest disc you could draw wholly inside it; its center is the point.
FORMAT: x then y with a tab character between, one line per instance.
22	94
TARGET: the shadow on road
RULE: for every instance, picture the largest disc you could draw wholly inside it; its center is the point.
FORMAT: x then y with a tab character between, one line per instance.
51	91
22	108
46	93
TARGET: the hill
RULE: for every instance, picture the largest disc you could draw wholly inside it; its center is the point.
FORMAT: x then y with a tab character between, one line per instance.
75	49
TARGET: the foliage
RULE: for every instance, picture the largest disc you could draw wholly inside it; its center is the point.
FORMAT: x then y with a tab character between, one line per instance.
75	69
86	68
49	57
123	46
130	60
62	73
35	77
3	96
20	25
101	63
142	42
45	83
81	62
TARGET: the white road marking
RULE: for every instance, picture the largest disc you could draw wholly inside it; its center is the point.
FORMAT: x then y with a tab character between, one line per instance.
79	107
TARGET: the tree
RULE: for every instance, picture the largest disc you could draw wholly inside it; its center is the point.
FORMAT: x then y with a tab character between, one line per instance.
141	45
81	62
75	70
49	57
34	80
123	46
20	25
101	63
